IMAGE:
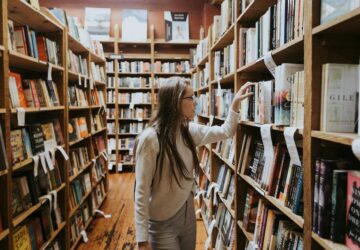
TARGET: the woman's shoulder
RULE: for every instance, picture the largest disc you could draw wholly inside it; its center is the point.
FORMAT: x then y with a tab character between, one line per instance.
148	139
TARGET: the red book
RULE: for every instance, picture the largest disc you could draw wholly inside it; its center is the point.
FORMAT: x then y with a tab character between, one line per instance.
19	87
40	41
34	93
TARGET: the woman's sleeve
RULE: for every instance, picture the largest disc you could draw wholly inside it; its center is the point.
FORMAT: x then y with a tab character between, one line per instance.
144	171
203	134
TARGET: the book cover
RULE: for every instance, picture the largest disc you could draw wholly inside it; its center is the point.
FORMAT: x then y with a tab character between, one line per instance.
3	159
97	22
330	9
353	210
21	239
19	87
176	26
20	41
134	25
49	136
73	130
37	139
18	153
16	203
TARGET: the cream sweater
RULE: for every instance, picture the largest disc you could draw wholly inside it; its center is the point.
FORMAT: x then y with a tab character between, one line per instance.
162	200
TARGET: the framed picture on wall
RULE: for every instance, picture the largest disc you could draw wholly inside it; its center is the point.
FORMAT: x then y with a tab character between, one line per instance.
176	26
97	22
134	25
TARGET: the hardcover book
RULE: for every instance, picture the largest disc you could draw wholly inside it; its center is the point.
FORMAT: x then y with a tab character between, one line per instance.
134	25
176	26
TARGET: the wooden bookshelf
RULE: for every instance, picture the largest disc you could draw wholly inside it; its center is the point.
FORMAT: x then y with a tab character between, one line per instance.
22	13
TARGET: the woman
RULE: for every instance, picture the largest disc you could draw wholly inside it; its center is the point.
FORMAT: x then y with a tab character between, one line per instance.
165	161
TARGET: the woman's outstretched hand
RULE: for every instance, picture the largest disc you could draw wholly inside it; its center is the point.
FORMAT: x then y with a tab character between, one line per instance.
241	95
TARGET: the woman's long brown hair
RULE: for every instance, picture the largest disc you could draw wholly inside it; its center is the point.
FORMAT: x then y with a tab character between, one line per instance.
168	122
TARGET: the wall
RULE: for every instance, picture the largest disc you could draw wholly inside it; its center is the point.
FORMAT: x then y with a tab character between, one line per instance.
155	10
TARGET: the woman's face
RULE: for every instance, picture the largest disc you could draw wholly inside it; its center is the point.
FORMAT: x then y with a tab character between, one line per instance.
188	103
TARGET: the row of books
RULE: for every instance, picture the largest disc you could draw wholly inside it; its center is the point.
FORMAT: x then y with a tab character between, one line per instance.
134	127
172	67
35	139
77	128
26	41
280	178
135	97
38	228
202	49
98	97
281	23
136	113
280	101
226	149
225	224
336	201
272	230
32	92
97	72
79	159
222	22
98	171
126	143
226	184
160	81
77	63
203	99
204	76
97	122
130	66
98	142
205	162
111	128
77	32
77	96
79	187
224	62
221	102
134	82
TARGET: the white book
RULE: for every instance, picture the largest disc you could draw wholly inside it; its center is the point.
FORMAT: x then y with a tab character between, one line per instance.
340	84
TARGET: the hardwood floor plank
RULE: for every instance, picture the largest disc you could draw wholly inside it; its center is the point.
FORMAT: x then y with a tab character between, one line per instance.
118	232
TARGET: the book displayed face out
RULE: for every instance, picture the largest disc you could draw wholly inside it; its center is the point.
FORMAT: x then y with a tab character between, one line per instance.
176	26
134	25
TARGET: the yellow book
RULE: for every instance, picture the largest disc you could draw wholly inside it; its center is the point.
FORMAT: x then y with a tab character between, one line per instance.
21	239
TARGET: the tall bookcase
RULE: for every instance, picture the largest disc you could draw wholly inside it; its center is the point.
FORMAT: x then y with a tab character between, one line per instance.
150	51
41	21
331	42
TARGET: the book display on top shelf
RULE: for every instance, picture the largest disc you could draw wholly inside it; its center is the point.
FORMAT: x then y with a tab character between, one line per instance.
176	26
97	22
134	25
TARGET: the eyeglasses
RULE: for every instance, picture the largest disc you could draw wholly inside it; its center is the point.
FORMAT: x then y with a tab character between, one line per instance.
192	98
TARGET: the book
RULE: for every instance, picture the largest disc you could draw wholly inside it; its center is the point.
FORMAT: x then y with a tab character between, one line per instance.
36	139
97	22
352	210
134	25
340	85
176	26
21	239
331	9
3	155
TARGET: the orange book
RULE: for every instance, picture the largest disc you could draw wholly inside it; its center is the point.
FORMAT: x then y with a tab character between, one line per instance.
34	93
20	90
82	127
40	41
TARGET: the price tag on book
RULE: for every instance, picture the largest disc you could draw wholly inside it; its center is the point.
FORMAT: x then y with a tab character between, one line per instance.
211	120
49	161
49	73
289	134
36	165
43	162
84	236
62	151
106	216
132	105
85	81
20	116
219	90
265	131
355	146
270	64
49	198
120	167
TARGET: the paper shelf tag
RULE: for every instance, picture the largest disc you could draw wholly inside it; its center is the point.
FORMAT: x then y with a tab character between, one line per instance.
36	165
43	162
270	64
62	151
84	236
289	134
20	116
49	73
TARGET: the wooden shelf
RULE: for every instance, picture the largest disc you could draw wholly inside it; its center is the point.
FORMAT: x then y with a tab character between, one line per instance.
249	236
342	25
226	39
74	76
4	234
75	45
53	236
18	60
273	127
122	42
172	74
75	108
298	220
328	244
227	79
226	161
2	111
171	57
255	10
39	110
98	131
21	217
341	138
203	61
204	89
99	83
96	58
227	205
134	89
190	43
4	172
288	53
25	14
79	140
134	74
72	212
85	168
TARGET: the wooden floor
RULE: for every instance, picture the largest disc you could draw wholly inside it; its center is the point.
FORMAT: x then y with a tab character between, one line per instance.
118	232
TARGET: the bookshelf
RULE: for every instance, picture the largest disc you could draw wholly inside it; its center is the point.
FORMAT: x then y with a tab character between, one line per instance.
28	67
314	48
125	112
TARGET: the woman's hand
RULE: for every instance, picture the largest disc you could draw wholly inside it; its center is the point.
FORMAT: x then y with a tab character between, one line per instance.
144	246
241	95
